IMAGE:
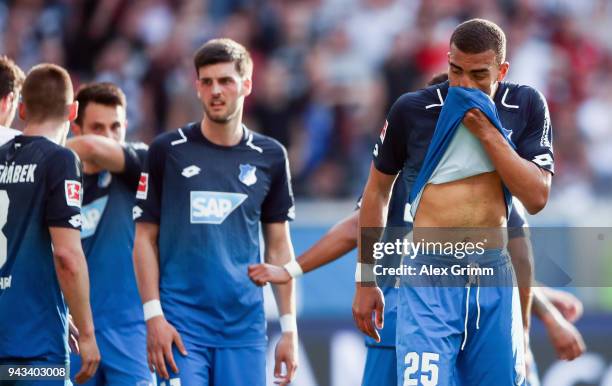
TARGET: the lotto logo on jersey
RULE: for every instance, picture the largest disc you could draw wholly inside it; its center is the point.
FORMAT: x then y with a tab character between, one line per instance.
213	207
73	193
383	132
143	186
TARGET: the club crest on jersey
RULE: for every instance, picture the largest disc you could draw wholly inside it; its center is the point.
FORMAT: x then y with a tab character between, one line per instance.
91	216
143	186
104	179
247	174
383	132
73	193
213	207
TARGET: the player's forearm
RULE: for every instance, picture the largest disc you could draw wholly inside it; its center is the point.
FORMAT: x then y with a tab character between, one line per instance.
372	216
338	241
103	152
521	257
146	262
544	310
73	278
524	179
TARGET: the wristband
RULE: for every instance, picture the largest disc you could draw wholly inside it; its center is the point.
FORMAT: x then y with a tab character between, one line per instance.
294	269
288	323
151	309
364	273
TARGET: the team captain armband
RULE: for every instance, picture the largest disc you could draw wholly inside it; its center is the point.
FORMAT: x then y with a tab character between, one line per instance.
151	309
294	269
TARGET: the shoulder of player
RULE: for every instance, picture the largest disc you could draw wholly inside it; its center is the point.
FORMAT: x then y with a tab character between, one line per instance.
422	99
168	139
268	145
516	96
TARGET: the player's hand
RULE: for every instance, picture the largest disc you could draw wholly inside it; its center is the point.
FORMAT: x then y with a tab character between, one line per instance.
566	339
73	336
286	352
90	358
369	300
478	123
160	337
568	305
262	274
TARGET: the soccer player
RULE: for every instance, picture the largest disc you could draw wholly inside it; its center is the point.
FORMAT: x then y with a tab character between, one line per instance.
441	342
11	79
207	188
40	247
111	172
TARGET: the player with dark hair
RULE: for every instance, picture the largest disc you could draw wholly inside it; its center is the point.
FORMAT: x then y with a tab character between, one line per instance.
206	190
40	247
492	141
111	169
11	80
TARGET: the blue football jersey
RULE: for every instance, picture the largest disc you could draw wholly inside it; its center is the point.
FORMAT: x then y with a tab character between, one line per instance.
108	239
209	201
412	119
40	187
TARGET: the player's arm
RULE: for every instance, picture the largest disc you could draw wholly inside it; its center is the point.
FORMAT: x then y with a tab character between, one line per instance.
566	303
278	252
565	338
103	152
338	241
521	255
389	157
527	172
63	218
73	278
161	335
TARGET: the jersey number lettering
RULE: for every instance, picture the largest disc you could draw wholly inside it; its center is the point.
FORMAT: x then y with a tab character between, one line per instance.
427	365
4	207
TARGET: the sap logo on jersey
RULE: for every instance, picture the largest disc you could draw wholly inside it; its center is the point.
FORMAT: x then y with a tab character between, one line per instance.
213	207
92	213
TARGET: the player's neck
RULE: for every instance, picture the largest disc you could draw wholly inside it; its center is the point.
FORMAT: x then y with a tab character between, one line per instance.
223	134
53	131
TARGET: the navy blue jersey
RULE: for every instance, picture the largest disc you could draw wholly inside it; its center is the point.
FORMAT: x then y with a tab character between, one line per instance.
108	240
208	201
412	119
40	187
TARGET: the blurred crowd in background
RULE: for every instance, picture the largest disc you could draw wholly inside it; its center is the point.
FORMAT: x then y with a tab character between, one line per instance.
326	71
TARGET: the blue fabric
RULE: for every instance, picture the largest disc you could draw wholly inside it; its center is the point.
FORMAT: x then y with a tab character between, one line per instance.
380	367
123	350
431	328
207	366
458	101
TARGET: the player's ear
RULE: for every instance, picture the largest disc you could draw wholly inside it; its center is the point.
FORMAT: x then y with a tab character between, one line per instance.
22	111
247	85
7	101
73	110
503	71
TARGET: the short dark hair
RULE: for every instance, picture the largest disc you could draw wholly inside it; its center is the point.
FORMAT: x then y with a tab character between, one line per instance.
11	76
224	51
479	35
438	78
104	93
47	91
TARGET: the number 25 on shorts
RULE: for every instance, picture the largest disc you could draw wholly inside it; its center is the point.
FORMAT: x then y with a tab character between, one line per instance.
428	366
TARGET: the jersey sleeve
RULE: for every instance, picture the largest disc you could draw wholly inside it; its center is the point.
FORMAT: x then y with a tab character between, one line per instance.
64	184
535	144
149	190
135	156
517	223
278	206
390	148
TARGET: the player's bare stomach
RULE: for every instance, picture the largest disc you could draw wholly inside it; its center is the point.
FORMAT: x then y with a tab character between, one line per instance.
449	211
